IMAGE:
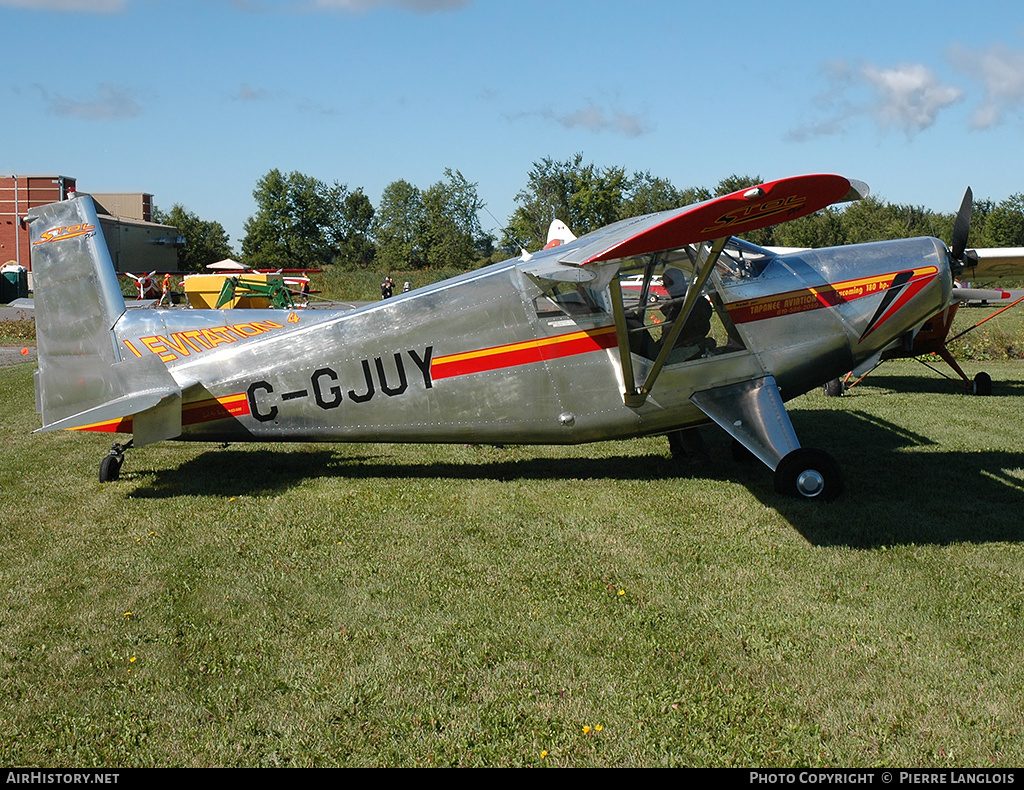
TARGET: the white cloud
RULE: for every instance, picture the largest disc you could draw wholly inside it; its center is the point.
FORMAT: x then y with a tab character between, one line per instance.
595	119
110	103
1000	71
909	97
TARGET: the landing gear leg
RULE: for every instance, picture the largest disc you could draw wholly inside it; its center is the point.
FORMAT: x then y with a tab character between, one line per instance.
110	466
688	446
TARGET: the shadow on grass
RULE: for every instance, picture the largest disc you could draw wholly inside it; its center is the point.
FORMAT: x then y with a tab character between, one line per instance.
901	487
905	488
277	470
929	384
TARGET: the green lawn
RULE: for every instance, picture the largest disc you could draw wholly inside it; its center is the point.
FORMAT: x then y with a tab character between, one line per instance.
381	605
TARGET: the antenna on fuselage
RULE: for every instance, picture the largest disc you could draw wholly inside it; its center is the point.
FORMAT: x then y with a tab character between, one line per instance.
524	256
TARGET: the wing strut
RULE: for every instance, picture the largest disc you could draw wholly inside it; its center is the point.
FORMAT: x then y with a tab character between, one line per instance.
634	397
622	334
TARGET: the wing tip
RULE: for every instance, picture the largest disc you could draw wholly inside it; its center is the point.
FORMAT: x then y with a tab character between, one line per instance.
858	191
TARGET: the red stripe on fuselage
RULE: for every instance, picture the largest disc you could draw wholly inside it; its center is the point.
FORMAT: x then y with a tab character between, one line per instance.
525	353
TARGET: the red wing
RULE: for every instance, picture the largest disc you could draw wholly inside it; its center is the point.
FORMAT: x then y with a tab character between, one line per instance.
730	215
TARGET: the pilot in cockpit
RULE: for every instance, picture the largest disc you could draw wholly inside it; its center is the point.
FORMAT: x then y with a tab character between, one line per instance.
693	339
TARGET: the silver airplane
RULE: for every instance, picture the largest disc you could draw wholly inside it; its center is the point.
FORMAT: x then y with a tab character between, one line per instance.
541	349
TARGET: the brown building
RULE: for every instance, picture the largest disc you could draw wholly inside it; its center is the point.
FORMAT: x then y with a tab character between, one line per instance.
19	194
135	242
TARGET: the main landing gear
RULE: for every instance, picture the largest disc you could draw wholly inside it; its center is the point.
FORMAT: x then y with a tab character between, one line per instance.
806	473
803	473
110	466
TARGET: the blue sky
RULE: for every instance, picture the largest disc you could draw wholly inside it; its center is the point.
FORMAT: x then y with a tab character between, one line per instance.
194	100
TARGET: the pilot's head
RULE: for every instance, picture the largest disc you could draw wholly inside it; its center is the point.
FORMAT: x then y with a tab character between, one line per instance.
674	281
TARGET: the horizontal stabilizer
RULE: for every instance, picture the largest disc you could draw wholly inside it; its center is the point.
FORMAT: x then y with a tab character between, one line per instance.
117	409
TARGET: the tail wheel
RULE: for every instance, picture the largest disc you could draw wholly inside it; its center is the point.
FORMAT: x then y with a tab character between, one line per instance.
110	468
983	384
806	473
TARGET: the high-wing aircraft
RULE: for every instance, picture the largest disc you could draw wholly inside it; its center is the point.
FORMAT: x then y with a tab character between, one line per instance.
540	349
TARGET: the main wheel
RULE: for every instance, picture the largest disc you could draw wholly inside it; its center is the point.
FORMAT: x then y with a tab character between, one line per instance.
983	384
110	467
809	474
834	388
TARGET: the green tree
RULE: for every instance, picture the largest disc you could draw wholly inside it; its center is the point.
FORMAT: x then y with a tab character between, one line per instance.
399	227
452	232
821	229
1004	224
206	242
352	231
294	220
648	194
872	220
581	195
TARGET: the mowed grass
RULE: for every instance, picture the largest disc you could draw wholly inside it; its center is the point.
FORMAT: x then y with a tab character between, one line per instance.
379	605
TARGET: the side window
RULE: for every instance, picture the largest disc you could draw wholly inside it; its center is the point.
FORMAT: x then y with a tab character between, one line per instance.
741	260
654	290
568	299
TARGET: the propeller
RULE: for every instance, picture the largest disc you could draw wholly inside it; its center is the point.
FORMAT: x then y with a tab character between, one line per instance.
959	255
143	282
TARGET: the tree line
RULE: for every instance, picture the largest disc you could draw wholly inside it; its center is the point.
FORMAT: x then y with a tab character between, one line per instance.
302	222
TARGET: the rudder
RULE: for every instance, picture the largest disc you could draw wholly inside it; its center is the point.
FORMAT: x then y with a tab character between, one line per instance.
81	377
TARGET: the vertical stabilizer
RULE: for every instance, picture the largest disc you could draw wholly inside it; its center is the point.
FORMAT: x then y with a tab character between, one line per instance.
77	302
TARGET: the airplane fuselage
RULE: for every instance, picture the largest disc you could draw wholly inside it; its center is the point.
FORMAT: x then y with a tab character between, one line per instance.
473	360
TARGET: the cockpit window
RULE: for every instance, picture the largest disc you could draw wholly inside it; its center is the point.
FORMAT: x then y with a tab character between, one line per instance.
741	260
654	290
570	299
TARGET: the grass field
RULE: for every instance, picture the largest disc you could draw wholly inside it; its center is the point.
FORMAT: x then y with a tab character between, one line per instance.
321	605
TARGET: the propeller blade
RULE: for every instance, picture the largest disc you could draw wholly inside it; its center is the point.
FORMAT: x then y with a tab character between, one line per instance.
962	226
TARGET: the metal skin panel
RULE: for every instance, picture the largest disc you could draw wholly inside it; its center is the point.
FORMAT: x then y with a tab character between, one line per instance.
373	374
837	306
